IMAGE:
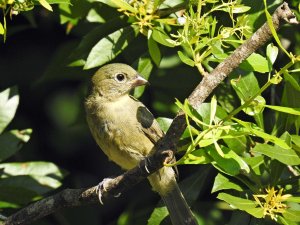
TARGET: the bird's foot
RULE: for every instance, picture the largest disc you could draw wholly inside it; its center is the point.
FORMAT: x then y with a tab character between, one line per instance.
102	187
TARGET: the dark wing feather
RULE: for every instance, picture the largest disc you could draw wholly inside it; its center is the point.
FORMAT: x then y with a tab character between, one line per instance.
149	125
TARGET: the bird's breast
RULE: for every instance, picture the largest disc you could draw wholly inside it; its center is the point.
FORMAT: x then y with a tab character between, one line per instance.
118	132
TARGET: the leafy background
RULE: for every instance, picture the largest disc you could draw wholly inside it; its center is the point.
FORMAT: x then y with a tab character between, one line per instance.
42	60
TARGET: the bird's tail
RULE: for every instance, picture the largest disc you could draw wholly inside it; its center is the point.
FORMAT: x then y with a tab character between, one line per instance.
165	184
179	211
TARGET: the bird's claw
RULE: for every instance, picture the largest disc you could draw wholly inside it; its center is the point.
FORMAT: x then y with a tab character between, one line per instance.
147	162
103	187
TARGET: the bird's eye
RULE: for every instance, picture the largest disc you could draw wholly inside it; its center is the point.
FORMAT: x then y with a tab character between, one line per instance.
120	77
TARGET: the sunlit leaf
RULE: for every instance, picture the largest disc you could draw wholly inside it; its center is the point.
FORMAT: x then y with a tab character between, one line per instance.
93	16
255	62
161	37
1	29
230	163
271	26
242	204
59	1
9	100
286	156
186	59
124	5
292	215
45	4
158	215
272	53
293	111
198	156
31	168
223	183
110	46
236	9
258	132
255	107
213	105
164	123
255	163
119	4
240	9
245	86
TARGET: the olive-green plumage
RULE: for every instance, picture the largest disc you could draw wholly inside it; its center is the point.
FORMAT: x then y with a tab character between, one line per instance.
126	131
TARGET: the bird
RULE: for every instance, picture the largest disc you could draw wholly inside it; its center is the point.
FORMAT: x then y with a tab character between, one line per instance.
127	131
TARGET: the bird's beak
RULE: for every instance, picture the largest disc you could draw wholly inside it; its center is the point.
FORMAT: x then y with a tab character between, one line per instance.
139	81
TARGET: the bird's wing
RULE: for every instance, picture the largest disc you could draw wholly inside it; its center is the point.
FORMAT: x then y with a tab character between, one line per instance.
149	125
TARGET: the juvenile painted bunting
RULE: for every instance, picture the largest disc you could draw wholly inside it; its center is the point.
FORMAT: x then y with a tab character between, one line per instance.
126	131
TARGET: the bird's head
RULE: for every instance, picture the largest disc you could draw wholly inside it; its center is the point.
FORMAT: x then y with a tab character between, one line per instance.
114	80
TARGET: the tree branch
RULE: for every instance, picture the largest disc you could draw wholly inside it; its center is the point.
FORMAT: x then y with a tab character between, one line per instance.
166	147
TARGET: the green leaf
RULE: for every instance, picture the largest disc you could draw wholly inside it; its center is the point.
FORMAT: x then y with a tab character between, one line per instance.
230	163
253	129
292	215
240	9
237	144
144	67
236	8
46	5
296	139
154	51
255	62
245	86
1	29
12	141
185	59
213	109
161	37
31	168
242	204
80	53
36	185
286	156
223	183
15	194
189	110
198	156
274	33
272	53
158	215
4	204
111	46
9	100
94	17
107	2
254	163
59	1
288	77
293	111
123	5
164	123
255	107
284	221
204	113
293	199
